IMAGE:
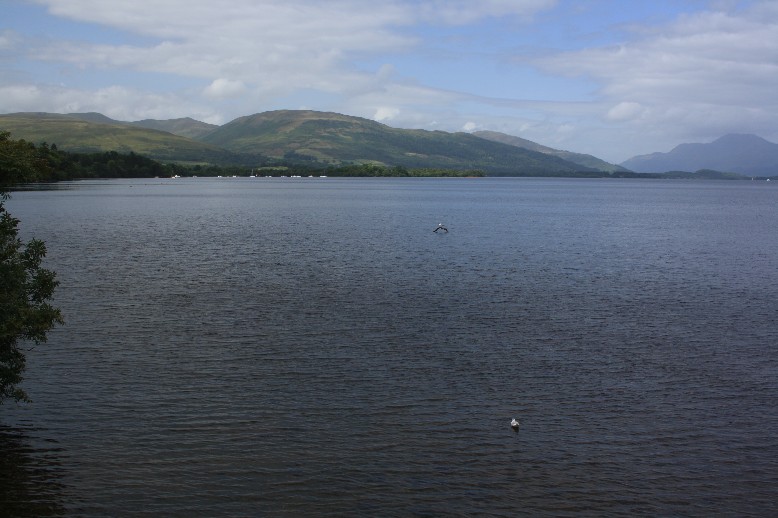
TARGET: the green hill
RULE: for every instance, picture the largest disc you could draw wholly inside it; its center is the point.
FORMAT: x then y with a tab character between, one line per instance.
332	138
318	139
186	127
88	133
578	158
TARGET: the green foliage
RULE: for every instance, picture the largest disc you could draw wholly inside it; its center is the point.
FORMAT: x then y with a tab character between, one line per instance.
25	287
20	162
25	314
106	165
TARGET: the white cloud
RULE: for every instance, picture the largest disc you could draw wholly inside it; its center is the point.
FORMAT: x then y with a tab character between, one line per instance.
261	51
625	111
177	18
460	12
702	74
225	88
703	67
271	48
385	113
469	127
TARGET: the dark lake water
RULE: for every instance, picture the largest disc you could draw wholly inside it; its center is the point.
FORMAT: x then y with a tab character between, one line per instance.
291	347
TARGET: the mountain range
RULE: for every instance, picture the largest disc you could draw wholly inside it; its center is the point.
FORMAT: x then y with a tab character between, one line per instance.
745	154
300	136
320	139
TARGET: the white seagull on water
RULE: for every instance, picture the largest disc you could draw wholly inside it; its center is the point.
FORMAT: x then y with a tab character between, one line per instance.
515	425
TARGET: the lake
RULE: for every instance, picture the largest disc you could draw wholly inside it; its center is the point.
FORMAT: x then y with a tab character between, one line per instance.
309	346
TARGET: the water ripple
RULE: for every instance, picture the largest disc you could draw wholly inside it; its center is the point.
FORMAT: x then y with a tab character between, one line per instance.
272	350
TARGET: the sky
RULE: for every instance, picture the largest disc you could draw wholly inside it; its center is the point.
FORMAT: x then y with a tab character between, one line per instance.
611	78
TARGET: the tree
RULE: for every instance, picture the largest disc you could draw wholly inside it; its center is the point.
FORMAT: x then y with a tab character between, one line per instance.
20	162
25	287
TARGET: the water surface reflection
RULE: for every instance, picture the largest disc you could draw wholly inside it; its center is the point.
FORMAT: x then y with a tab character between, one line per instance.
31	469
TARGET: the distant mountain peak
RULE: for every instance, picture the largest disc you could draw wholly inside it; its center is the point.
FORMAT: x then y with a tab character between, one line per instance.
740	137
742	153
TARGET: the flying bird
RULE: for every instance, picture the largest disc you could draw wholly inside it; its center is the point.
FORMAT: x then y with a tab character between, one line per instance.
440	227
